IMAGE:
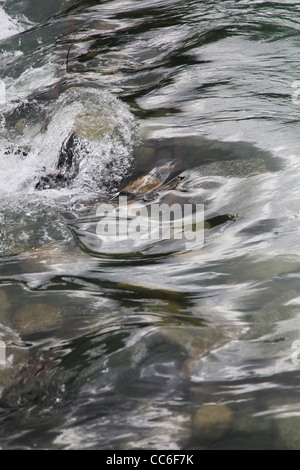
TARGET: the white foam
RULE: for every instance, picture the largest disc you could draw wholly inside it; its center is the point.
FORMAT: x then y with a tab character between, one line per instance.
30	145
102	161
9	26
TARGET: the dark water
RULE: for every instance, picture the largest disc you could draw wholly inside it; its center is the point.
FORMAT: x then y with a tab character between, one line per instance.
152	346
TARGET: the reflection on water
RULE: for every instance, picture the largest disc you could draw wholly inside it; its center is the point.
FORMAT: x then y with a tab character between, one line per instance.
155	347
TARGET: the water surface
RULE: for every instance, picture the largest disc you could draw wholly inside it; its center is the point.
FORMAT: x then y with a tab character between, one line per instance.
156	347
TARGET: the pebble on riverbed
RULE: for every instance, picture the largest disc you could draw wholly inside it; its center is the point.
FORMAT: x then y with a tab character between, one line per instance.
212	422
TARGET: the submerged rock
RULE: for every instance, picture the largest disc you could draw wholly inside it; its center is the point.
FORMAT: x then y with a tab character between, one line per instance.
196	342
4	307
162	175
16	364
151	290
143	185
288	433
37	318
212	422
92	125
239	168
14	358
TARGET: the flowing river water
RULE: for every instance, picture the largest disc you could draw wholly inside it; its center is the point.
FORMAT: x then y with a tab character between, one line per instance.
151	346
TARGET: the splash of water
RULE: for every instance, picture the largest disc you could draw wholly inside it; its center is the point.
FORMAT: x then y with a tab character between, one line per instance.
9	26
101	153
34	131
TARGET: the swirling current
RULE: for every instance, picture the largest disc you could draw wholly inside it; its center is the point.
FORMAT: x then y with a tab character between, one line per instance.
149	344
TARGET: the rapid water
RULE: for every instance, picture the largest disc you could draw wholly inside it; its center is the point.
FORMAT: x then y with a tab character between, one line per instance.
155	346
